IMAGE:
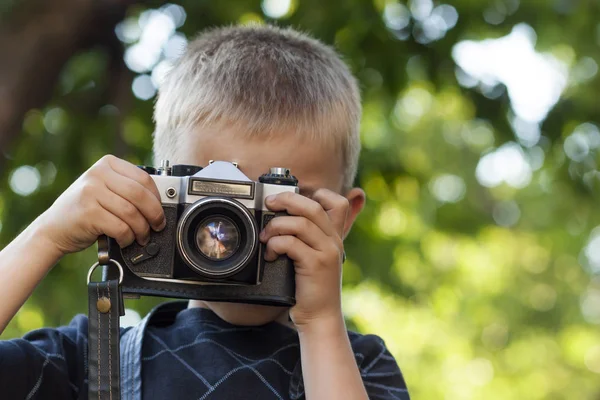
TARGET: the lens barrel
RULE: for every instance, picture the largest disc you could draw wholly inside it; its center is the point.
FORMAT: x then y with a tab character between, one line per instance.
216	236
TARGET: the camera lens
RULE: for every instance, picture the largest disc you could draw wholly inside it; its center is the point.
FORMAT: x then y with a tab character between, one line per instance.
217	238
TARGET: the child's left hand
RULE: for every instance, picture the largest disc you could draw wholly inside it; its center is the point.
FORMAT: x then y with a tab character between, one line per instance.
312	237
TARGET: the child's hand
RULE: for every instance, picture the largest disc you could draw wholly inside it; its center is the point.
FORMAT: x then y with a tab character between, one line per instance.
312	236
113	198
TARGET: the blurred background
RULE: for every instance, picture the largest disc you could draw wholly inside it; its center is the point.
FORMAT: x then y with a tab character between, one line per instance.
477	258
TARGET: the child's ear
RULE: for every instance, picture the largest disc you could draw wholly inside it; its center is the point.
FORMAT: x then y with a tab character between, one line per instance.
356	198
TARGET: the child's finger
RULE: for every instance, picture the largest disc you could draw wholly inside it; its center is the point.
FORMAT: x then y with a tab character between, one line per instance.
293	247
139	196
335	205
301	227
127	213
295	204
129	170
111	225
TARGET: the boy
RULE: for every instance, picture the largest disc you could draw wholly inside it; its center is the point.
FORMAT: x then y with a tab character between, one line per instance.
262	97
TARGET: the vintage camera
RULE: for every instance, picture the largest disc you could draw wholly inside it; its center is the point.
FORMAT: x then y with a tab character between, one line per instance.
209	248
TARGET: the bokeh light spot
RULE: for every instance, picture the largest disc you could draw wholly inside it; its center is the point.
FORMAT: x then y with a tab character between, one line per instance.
157	28
159	73
592	251
434	27
47	171
141	59
528	133
55	120
535	81
130	318
448	14
479	371
24	180
585	70
392	221
507	164
29	319
478	134
396	16
276	8
590	306
576	147
448	188
506	213
536	157
377	187
143	88
33	123
411	107
175	46
580	143
128	30
421	9
176	12
494	15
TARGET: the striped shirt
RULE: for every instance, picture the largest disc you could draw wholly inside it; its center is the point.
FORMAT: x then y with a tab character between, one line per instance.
181	353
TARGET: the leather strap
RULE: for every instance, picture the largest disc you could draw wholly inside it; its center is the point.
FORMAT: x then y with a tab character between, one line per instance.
105	307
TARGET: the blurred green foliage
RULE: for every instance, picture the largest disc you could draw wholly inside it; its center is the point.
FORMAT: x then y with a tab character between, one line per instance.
478	270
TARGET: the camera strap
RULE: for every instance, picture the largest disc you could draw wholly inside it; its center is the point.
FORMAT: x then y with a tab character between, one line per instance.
105	306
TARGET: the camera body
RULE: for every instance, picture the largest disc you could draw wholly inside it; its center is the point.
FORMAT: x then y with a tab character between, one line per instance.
209	249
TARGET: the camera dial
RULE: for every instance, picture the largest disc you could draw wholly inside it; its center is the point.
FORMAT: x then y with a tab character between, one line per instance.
164	169
279	176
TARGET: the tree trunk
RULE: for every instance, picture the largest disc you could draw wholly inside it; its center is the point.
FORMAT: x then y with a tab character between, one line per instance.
35	44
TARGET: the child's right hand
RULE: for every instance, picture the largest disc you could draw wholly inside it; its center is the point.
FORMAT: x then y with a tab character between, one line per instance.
113	198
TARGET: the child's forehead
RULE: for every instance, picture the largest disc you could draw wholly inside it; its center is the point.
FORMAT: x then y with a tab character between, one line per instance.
315	164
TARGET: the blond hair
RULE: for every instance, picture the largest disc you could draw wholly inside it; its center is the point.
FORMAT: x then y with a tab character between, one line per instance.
267	80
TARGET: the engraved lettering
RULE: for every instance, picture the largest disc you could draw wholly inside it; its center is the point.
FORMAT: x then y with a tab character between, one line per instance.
221	188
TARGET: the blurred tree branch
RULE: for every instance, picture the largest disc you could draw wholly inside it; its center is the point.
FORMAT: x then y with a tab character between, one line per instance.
37	41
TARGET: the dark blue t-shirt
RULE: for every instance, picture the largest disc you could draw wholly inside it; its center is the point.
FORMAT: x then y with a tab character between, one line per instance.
180	353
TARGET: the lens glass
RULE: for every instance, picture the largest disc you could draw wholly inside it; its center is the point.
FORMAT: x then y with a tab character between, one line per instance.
217	238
